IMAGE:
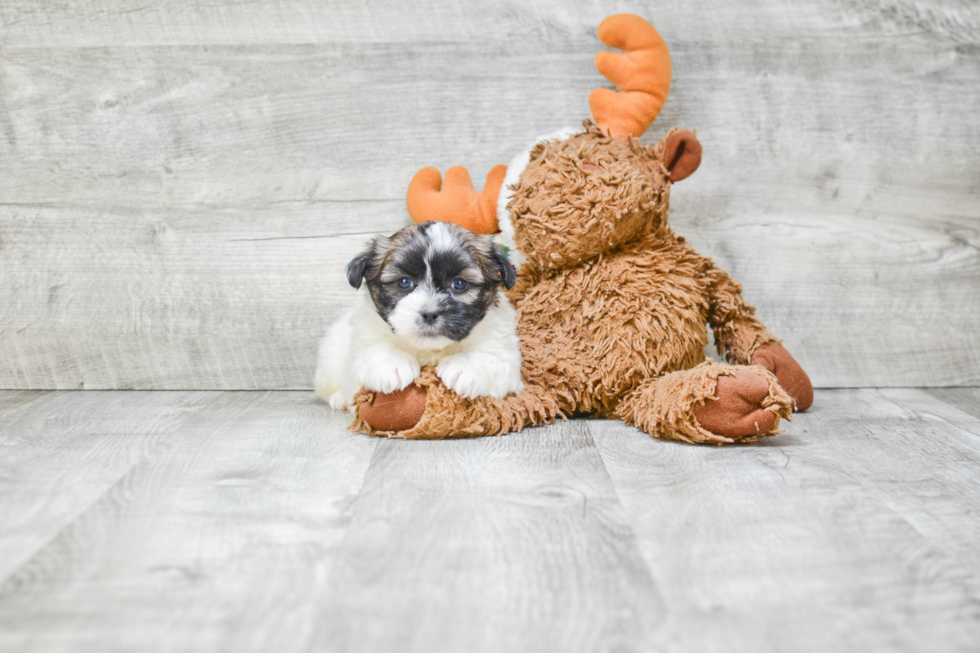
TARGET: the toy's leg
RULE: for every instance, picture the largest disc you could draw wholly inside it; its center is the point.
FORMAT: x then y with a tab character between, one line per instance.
429	410
742	339
709	403
774	357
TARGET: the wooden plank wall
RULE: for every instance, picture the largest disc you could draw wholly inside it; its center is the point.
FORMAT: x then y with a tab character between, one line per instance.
182	183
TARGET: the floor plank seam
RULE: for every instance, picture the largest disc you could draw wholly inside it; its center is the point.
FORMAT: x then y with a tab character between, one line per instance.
96	501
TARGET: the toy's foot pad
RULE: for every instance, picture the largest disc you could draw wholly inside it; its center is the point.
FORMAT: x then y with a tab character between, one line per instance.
394	411
737	411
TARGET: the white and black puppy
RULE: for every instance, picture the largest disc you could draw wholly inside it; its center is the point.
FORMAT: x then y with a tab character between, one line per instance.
431	295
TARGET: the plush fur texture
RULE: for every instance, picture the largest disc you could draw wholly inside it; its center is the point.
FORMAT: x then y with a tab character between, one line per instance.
514	171
611	304
430	297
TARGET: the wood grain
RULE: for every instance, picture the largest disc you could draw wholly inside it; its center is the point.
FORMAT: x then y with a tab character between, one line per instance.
188	300
63	451
494	544
139	142
218	538
13	402
854	530
965	399
253	521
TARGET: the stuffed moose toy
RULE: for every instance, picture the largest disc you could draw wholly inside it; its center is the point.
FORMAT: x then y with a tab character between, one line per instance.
611	304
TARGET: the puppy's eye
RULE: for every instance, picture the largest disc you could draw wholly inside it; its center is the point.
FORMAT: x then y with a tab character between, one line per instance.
405	282
459	285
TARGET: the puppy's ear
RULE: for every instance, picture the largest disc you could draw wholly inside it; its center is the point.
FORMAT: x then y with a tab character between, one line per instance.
505	270
368	262
357	267
364	262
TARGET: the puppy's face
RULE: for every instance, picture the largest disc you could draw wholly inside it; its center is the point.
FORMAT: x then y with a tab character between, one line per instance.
432	282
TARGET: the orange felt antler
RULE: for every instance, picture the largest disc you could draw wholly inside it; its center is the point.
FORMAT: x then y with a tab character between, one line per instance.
641	73
455	200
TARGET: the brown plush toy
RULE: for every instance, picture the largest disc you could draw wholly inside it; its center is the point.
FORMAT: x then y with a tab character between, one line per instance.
611	304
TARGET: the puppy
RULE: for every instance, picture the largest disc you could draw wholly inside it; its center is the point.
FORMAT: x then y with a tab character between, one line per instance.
431	296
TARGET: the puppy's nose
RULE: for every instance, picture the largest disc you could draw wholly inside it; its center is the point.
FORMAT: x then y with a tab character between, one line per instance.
430	316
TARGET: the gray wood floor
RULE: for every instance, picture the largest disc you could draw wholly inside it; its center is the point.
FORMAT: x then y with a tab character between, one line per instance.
253	521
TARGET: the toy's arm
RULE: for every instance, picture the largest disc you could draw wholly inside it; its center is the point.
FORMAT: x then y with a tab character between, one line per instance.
742	339
738	333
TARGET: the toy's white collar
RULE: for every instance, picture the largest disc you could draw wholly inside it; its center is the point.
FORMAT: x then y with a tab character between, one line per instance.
514	171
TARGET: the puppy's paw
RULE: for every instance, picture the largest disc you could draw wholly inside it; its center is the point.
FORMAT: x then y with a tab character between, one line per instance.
330	391
341	400
462	378
472	376
388	371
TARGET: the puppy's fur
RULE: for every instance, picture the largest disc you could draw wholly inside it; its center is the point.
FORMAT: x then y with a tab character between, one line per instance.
428	295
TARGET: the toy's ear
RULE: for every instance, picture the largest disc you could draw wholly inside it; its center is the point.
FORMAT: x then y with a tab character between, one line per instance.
682	155
504	268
